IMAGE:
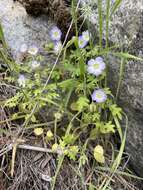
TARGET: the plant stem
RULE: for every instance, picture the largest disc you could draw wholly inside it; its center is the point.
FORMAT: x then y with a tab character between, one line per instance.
120	77
60	161
107	20
100	22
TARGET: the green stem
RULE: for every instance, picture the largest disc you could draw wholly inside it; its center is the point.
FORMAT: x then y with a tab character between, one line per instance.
60	161
12	119
120	77
81	65
55	130
100	22
107	20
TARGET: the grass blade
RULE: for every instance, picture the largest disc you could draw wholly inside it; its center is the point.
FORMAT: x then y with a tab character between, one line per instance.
60	162
115	7
100	22
127	56
117	161
2	39
122	65
107	21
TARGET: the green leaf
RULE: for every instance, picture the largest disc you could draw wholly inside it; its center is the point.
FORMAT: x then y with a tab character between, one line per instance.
94	133
69	139
82	103
2	38
83	159
115	6
33	119
118	126
127	56
67	84
107	128
91	187
72	152
116	111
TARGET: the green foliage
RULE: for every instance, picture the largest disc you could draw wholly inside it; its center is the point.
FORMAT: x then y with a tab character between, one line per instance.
82	103
116	111
2	39
68	91
116	5
72	85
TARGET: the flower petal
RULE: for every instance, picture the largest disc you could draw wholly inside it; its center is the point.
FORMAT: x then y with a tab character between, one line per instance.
99	96
55	34
99	59
91	62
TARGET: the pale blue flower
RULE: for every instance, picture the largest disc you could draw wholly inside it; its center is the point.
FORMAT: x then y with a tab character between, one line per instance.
35	64
57	47
55	34
82	42
96	66
22	80
86	35
99	96
33	50
23	48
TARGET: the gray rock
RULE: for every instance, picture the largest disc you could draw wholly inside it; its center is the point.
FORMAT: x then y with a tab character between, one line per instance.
124	25
20	28
126	29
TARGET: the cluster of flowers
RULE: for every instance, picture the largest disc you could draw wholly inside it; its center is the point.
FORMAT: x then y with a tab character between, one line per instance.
33	50
83	39
94	66
56	35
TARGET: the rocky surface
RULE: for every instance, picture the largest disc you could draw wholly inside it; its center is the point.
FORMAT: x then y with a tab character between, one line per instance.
124	24
126	29
58	10
20	28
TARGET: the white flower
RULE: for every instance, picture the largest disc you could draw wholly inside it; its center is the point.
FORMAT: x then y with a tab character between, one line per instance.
96	66
33	50
82	42
99	96
86	35
22	80
55	34
23	48
57	47
35	64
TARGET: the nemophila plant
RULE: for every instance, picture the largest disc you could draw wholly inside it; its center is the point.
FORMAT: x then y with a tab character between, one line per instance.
76	91
68	104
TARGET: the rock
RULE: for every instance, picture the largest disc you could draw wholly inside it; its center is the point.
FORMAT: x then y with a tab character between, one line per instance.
126	29
125	23
20	28
58	10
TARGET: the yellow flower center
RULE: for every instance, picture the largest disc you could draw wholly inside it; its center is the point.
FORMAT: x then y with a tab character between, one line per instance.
86	37
98	95
96	66
56	34
80	42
